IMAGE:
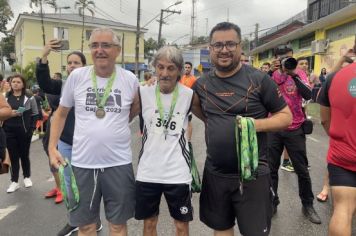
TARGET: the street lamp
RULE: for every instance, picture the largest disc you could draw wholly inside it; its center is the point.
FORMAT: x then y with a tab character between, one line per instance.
174	4
161	20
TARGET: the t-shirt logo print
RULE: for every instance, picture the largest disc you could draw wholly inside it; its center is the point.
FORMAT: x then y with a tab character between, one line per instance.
352	87
184	210
113	103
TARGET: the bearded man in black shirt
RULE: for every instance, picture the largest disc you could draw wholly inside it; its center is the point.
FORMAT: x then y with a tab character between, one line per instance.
232	89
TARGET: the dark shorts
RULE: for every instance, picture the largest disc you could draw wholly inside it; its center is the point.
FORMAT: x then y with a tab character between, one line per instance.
115	185
221	204
178	196
339	176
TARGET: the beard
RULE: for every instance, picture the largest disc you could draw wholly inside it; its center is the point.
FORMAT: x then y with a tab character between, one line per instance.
226	68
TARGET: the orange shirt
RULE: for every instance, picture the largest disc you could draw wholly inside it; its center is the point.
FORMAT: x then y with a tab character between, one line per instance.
188	80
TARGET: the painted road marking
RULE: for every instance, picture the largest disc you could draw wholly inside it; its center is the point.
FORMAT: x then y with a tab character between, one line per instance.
313	139
6	211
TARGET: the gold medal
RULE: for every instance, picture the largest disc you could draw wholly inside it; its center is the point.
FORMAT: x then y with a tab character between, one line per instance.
100	112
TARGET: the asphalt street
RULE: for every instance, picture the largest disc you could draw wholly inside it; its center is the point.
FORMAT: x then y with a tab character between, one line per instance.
27	213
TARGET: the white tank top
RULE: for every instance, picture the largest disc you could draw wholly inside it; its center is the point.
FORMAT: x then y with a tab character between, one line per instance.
165	158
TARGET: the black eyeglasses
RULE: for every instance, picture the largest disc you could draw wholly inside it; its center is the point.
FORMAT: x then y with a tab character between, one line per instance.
230	45
102	45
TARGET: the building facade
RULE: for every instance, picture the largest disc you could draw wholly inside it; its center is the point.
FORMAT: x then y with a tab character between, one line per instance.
322	41
29	43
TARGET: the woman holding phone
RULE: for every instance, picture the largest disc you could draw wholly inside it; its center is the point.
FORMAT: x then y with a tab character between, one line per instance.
19	130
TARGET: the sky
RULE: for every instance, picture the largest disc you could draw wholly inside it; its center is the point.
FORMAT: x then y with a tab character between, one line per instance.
244	13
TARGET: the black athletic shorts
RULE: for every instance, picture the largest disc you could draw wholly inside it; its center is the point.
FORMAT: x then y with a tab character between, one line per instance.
178	196
221	203
339	176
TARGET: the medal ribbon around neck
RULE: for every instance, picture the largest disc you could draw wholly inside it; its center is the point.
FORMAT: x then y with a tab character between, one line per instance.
100	101
160	106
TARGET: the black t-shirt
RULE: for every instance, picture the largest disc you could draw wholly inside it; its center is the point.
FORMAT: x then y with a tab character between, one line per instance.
15	104
249	93
39	102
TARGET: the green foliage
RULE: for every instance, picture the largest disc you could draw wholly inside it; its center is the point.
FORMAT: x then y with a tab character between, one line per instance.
5	15
29	72
245	44
200	40
8	48
150	46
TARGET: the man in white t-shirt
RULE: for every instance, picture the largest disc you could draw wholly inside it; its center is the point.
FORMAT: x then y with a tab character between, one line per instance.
164	161
101	158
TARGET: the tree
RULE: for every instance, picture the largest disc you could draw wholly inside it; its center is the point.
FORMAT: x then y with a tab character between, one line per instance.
200	39
245	44
40	3
5	15
150	46
82	6
29	72
8	48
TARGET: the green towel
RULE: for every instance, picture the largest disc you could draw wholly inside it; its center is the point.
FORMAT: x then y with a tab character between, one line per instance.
247	147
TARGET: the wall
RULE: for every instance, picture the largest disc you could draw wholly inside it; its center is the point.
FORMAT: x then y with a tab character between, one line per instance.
28	49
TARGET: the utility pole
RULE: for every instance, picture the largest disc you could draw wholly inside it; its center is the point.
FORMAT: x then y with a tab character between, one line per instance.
137	48
256	34
161	22
123	51
192	23
206	26
228	15
2	58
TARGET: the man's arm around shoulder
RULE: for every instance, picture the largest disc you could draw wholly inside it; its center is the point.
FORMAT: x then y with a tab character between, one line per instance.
196	108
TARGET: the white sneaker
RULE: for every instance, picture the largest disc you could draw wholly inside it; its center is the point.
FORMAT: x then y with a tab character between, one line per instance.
27	182
13	187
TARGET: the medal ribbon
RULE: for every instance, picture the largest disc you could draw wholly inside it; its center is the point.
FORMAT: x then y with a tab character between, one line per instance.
100	101
247	147
160	106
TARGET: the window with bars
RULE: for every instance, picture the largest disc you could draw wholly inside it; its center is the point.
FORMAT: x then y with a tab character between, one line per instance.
334	5
305	42
60	33
87	34
324	7
263	55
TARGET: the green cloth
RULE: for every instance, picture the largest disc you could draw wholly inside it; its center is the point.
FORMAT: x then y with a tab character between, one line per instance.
196	182
68	186
247	148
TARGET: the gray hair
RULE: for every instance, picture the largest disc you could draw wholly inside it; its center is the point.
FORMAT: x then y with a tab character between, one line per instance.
170	53
115	39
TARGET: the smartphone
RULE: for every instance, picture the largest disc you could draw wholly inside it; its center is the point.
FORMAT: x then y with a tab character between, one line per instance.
20	110
64	45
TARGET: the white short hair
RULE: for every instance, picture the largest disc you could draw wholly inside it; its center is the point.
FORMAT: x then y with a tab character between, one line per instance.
115	39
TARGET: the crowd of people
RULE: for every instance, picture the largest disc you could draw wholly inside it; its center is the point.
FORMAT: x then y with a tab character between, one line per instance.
88	134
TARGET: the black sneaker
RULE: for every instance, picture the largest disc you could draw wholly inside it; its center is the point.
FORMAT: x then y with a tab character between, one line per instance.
311	214
67	230
99	226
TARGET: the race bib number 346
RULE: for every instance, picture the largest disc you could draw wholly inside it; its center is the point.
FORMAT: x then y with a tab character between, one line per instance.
174	126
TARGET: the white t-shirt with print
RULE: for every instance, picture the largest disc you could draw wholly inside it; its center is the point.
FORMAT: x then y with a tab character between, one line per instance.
100	143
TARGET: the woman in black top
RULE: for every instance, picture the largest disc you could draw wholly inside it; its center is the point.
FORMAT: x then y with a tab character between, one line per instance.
19	129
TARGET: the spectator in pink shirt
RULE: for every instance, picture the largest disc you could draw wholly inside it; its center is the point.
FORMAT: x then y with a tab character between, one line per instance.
294	86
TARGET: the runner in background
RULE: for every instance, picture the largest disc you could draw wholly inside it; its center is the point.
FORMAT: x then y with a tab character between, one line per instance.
188	80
